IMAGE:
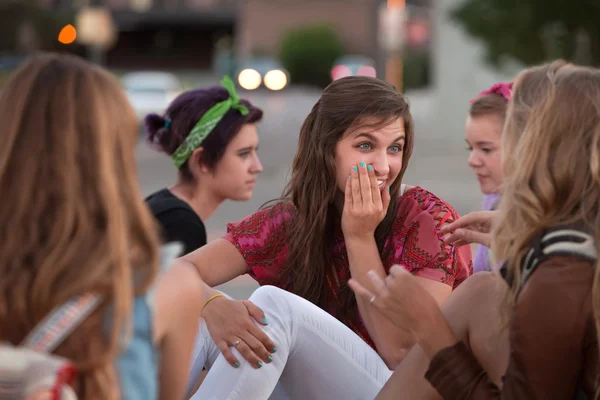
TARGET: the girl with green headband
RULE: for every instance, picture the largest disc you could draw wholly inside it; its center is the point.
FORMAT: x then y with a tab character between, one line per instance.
303	333
211	136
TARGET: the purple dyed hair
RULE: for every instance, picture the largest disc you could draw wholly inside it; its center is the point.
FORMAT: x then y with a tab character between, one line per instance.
184	112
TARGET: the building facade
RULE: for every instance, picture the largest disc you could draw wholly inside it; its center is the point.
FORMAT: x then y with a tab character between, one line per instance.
183	34
161	34
262	23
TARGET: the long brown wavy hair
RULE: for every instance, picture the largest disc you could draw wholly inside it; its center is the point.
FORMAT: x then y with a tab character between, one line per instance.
551	161
345	104
72	219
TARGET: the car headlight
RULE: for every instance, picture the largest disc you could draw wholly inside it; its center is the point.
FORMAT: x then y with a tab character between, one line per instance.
249	79
276	79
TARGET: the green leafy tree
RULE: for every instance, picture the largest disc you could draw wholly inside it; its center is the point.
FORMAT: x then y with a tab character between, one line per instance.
308	53
534	31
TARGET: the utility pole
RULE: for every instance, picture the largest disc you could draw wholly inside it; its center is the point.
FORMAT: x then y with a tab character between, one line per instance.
391	26
379	54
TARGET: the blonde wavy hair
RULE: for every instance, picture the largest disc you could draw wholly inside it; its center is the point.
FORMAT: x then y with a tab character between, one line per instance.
73	221
551	161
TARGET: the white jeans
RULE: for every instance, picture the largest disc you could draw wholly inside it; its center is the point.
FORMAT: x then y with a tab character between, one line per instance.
317	357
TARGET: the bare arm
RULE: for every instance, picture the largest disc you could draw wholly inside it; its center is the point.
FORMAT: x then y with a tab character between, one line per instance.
392	342
217	262
365	206
483	324
177	310
227	320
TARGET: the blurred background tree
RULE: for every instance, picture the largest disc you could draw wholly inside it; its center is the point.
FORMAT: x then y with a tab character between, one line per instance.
416	72
534	31
24	27
308	53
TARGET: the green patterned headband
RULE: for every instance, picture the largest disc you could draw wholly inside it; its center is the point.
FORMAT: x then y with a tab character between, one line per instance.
208	122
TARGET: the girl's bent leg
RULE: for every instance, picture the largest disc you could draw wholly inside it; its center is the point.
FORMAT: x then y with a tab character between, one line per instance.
204	355
317	357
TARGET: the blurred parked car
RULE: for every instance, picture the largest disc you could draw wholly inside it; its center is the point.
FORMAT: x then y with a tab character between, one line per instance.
353	65
262	72
150	92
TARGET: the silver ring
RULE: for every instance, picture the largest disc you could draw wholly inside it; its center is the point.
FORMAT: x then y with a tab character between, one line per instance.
372	300
236	342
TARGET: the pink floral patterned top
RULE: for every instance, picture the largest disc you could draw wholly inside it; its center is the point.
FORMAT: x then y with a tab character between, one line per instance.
416	243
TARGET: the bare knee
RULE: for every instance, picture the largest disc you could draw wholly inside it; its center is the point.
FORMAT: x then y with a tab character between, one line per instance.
481	287
484	280
479	296
476	313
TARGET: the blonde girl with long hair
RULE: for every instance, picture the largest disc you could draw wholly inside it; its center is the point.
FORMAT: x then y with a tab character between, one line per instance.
72	223
534	334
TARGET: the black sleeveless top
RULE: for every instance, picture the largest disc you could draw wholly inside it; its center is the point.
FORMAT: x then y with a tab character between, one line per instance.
178	221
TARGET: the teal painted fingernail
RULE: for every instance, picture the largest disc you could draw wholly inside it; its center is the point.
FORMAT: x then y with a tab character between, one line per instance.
370	167
269	359
355	168
362	164
388	189
237	364
260	364
274	350
264	321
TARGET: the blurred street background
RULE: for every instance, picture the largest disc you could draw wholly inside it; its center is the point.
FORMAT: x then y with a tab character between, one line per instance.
282	53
